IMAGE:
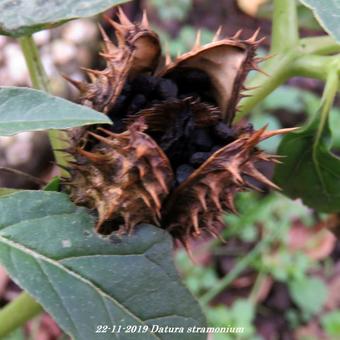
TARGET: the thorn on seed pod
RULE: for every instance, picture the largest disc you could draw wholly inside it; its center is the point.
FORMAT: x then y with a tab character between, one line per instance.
81	86
217	34
253	38
145	21
237	34
197	43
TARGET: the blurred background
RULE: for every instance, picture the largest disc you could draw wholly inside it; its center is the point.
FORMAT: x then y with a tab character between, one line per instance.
278	273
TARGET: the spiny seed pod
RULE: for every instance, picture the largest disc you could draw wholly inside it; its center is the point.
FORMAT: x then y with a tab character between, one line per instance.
172	157
125	177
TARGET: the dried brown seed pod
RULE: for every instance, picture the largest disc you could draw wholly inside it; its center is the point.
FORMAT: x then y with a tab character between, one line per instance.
138	50
173	157
125	177
197	203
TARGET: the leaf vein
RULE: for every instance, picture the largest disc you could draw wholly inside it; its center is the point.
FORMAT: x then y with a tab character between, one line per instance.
37	256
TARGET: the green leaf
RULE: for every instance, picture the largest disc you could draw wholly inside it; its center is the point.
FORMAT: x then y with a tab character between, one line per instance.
239	315
20	17
7	191
331	323
243	312
53	184
24	109
327	14
83	279
313	178
310	171
18	334
309	294
334	122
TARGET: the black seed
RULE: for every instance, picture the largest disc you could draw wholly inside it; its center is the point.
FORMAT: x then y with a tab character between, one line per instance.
144	84
202	139
223	132
192	82
120	105
198	158
118	125
166	89
127	88
137	103
183	172
198	77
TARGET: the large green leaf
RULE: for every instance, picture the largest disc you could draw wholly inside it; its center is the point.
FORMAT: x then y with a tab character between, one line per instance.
24	17
49	247
307	173
310	170
327	12
331	323
310	294
24	109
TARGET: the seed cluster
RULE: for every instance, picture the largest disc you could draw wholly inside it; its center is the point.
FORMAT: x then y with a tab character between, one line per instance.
183	120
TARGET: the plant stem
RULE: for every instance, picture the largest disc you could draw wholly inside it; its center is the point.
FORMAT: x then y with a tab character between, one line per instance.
235	272
321	119
253	296
58	139
17	313
319	45
280	69
285	33
285	40
329	93
313	66
35	68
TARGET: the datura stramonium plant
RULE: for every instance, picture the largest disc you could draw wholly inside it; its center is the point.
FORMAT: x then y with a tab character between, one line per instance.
172	157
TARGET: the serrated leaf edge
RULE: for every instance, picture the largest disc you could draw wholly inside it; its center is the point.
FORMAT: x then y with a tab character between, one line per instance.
39	257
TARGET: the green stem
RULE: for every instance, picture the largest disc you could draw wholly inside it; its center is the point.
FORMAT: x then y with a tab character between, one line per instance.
261	277
280	69
285	33
35	68
235	272
313	66
329	93
285	39
319	45
17	313
58	139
